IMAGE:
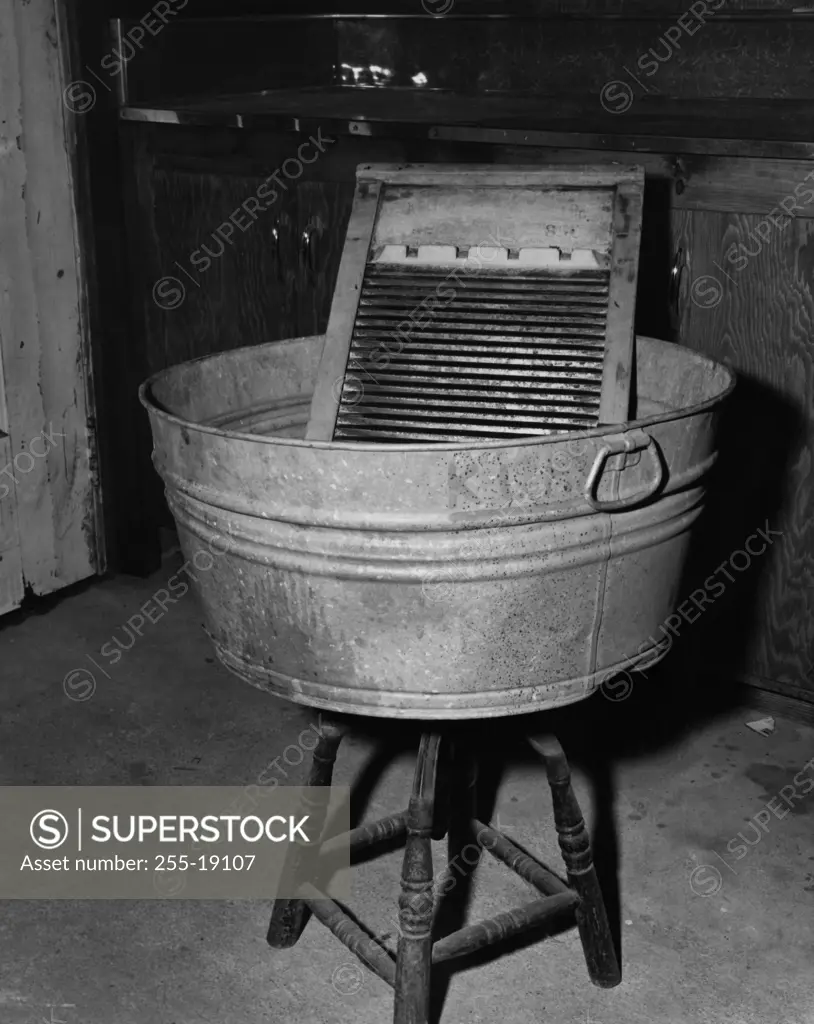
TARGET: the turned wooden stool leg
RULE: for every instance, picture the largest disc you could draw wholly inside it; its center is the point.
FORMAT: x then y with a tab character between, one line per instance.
290	916
412	1004
575	844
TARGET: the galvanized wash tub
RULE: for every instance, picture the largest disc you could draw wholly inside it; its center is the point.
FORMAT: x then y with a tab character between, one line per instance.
429	581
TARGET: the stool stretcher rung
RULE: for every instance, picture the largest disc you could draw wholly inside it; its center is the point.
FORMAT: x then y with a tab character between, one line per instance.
349	933
513	857
442	803
502	926
367	835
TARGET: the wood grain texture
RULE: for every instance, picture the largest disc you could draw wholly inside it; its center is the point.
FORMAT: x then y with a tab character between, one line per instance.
470	176
46	355
11	565
744	126
232	273
332	367
757	694
323	210
736	184
496	217
719	184
184	186
749	302
617	369
193	291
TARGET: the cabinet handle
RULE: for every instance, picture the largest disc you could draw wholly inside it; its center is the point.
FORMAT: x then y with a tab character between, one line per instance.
674	288
278	263
307	252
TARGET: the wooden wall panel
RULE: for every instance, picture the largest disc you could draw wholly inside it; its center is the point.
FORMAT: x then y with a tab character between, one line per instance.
11	563
753	308
45	352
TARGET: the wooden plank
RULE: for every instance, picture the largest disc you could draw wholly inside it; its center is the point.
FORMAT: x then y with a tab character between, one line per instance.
325	404
758	128
11	565
617	368
589	175
759	695
19	333
749	303
622	137
721	184
106	279
736	184
511	218
45	349
783	188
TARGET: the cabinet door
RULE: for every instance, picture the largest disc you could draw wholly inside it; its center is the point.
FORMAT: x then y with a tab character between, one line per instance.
218	254
323	211
749	303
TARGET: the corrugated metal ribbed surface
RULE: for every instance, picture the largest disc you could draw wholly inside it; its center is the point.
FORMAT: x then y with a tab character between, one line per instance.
493	354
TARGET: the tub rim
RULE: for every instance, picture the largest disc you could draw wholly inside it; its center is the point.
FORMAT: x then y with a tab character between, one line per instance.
153	408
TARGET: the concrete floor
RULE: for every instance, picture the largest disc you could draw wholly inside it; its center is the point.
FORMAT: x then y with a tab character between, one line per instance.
669	777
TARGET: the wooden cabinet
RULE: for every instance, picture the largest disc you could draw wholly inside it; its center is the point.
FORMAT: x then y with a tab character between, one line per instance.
211	278
221	256
229	258
747	299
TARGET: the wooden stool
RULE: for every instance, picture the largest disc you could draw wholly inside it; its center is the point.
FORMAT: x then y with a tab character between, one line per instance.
409	975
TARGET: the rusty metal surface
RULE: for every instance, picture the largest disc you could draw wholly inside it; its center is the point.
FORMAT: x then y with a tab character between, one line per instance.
443	581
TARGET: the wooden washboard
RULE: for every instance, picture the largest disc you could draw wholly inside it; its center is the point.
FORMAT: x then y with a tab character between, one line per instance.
482	302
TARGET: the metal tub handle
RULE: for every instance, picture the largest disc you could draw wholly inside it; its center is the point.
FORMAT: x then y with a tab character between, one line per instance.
635	441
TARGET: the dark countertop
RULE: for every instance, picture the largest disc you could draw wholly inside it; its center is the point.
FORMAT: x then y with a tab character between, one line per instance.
644	123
